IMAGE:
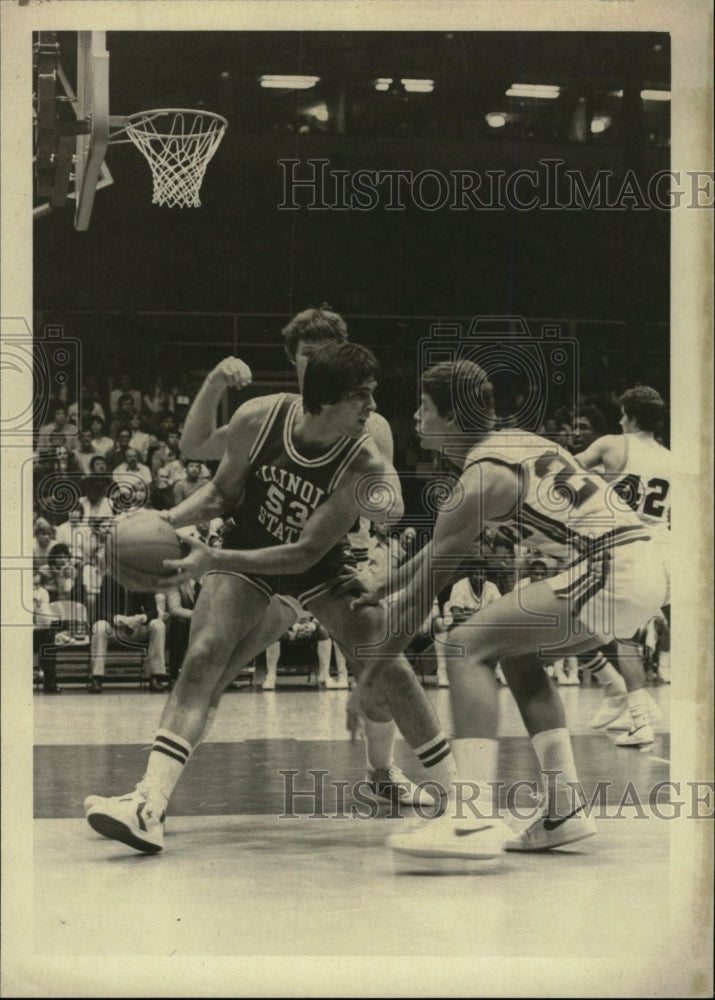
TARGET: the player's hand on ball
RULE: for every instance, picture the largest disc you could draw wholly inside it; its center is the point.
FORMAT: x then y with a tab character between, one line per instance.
193	566
232	372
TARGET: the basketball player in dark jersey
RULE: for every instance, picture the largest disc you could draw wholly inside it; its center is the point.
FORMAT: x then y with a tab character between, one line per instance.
614	579
201	436
294	473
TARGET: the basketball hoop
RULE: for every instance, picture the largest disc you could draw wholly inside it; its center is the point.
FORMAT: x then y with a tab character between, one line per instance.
178	144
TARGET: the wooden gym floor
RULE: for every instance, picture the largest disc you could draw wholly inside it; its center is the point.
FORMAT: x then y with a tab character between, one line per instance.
238	878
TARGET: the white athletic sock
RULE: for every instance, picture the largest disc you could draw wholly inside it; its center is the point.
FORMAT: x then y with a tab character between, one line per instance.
555	753
167	759
436	756
638	707
476	761
379	743
606	673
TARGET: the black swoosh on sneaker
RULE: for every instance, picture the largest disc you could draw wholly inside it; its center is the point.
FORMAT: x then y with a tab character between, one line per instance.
554	824
468	833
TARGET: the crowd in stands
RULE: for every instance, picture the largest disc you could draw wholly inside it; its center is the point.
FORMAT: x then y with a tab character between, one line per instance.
118	450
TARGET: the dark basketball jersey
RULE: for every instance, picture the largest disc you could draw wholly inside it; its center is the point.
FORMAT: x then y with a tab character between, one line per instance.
284	488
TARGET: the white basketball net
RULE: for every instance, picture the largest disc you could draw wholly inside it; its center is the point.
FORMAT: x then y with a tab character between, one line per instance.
178	145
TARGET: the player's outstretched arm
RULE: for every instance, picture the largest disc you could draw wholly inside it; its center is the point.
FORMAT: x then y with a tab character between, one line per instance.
201	437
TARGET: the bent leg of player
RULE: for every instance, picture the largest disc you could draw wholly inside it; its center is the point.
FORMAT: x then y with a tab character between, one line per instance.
642	710
227	609
280	614
368	711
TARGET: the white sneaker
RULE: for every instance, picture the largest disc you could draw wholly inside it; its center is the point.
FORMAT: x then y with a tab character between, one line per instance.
442	679
437	842
624	722
392	784
664	675
639	736
547	832
136	819
269	684
613	704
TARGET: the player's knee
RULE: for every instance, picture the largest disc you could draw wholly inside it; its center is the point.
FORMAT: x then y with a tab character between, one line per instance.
204	657
394	674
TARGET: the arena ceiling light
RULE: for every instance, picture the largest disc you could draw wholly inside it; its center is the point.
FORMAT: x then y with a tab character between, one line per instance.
413	86
277	81
655	95
600	123
495	120
534	90
383	83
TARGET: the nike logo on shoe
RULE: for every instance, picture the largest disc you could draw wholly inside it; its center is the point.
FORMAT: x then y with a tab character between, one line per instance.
554	824
468	833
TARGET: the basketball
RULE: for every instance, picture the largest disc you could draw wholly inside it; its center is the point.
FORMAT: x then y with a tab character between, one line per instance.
141	544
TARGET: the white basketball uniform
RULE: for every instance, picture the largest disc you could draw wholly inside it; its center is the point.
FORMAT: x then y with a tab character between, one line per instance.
646	488
614	580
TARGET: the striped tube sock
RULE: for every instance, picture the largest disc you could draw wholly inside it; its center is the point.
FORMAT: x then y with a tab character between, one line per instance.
602	669
168	756
436	756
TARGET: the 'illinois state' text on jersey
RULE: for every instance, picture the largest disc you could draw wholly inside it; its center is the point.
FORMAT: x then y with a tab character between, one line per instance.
284	488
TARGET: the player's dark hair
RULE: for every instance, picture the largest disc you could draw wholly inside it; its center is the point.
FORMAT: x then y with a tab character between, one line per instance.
332	371
645	406
463	389
314	326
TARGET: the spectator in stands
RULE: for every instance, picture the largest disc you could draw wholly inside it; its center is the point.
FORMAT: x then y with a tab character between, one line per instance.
122	418
141	440
139	624
93	575
192	481
43	542
119	454
161	492
80	414
76	534
167	456
134	477
159	403
85	450
97	485
43	634
124	388
59	427
58	575
101	443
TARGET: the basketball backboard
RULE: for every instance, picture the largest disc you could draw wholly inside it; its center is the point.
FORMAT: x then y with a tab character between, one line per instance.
93	107
71	132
